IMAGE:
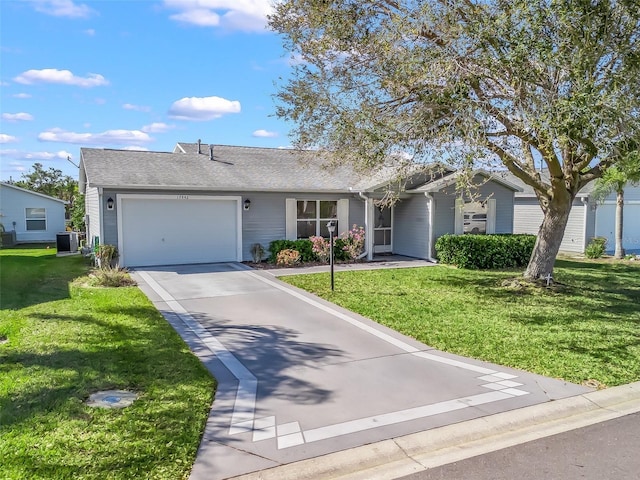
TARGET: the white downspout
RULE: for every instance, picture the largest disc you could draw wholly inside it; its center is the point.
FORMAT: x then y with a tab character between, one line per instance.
430	202
368	235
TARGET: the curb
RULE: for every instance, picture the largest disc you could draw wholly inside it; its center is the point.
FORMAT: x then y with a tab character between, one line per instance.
440	446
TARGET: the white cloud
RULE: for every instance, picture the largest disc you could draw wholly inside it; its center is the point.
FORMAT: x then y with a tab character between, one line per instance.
202	108
21	95
15	117
4	84
137	108
62	8
135	148
22	155
4	138
109	137
90	31
199	16
244	15
157	127
265	134
65	77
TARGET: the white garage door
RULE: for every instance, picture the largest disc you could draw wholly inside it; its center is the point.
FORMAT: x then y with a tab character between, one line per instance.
170	230
605	226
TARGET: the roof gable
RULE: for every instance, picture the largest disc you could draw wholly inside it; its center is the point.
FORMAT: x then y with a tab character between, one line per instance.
31	192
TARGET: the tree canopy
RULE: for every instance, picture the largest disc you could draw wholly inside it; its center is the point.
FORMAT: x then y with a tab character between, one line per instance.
52	182
518	84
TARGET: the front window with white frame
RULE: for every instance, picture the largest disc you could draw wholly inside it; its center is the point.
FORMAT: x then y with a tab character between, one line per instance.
36	219
312	217
475	217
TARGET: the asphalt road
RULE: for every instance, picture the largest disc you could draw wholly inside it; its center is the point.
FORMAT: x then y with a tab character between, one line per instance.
604	451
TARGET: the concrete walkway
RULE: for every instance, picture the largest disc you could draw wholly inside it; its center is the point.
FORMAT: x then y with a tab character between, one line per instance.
300	378
385	262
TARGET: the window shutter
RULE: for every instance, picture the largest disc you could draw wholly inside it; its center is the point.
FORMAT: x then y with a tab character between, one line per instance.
343	216
491	215
459	217
291	215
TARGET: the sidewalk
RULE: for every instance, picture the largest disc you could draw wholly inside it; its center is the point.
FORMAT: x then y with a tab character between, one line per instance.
386	261
421	451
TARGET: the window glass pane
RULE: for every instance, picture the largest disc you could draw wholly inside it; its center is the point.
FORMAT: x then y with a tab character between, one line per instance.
36	225
306	208
36	213
378	237
324	231
475	218
383	217
306	229
328	209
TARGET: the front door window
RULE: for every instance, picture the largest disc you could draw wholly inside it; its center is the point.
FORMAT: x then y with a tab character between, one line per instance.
382	230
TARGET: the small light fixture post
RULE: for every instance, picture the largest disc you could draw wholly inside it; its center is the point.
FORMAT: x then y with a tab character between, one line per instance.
332	229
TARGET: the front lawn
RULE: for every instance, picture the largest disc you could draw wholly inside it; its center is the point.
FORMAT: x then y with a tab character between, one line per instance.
586	330
60	341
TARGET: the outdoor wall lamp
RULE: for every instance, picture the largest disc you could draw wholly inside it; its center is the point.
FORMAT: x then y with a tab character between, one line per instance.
247	204
110	203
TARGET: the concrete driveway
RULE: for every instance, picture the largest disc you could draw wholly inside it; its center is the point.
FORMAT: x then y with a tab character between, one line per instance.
300	377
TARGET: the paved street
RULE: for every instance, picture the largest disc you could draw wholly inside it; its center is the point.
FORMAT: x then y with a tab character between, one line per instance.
604	451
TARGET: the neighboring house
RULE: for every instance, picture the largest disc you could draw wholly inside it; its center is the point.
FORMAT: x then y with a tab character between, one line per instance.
33	216
201	204
587	218
605	220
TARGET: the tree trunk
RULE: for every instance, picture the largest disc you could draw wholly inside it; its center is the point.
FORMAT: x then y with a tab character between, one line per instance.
549	238
619	252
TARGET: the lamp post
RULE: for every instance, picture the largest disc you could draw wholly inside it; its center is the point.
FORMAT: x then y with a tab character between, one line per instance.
332	229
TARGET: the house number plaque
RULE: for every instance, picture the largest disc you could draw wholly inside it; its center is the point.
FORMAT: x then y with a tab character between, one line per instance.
182	197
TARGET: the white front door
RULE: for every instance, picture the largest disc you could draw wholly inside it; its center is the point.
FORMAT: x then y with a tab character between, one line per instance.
382	230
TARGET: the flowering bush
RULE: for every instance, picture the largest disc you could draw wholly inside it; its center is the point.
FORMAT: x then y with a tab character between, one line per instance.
320	248
288	258
353	242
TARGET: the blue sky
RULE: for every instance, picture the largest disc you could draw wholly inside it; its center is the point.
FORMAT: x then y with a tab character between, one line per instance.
134	74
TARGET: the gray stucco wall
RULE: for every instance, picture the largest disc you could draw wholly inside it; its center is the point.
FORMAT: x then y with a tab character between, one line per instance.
264	222
411	227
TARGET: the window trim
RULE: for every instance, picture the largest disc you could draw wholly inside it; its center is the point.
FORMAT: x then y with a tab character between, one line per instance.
28	219
317	219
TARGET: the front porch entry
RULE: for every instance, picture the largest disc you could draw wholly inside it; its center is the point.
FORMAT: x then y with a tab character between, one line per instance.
382	229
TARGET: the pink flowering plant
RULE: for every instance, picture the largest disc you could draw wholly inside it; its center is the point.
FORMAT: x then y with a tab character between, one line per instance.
353	242
320	246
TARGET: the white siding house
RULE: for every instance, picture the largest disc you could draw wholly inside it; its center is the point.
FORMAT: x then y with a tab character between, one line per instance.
33	216
587	219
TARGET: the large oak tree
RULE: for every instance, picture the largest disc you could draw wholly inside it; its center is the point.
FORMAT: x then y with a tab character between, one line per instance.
526	85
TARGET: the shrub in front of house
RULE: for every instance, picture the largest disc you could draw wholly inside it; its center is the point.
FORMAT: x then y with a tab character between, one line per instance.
596	248
302	246
484	252
288	258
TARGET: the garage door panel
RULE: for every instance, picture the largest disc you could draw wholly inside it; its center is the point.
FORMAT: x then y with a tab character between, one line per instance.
160	231
605	226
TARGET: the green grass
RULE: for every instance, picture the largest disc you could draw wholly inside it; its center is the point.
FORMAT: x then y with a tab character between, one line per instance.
66	341
587	330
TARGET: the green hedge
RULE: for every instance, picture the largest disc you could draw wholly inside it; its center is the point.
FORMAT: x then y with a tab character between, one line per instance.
303	246
483	252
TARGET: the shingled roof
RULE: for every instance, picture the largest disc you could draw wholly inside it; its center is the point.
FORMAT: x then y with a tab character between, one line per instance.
231	169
